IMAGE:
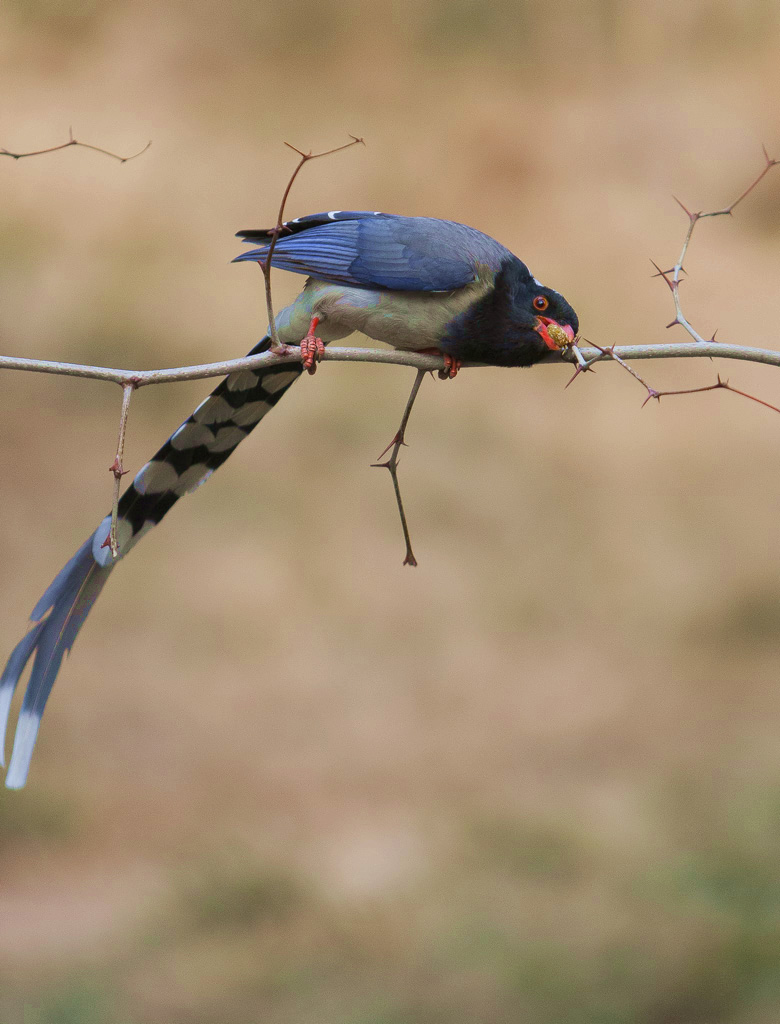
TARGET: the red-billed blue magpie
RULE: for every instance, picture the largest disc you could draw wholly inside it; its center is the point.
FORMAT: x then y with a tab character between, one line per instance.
414	282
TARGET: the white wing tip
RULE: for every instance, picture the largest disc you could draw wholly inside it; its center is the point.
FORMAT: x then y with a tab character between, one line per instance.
26	733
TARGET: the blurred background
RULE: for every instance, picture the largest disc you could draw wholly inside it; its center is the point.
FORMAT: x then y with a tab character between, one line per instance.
283	778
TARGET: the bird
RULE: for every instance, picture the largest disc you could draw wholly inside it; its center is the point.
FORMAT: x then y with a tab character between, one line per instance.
417	283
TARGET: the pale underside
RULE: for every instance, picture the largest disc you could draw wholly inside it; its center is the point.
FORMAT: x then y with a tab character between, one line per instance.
405	320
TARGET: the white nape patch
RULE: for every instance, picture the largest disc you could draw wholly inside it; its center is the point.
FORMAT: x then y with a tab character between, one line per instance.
213	410
124	535
155	477
273	382
191	435
250	413
241	381
227	438
192	478
332	214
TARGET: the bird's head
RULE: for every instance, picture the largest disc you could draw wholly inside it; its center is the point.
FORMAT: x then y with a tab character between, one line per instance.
541	317
516	322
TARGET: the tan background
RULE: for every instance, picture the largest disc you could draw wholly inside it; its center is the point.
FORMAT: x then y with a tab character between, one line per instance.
282	778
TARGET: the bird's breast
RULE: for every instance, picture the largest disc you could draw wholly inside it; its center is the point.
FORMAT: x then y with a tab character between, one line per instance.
405	320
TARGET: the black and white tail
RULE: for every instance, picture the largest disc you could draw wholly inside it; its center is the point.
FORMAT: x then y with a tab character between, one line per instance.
185	461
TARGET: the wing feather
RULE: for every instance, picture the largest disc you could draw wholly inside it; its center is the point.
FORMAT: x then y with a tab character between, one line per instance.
379	250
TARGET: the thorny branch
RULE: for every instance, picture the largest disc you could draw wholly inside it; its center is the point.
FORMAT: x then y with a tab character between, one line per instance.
392	464
343	354
672	279
265	266
582	355
277	346
117	468
74	142
130	380
720	385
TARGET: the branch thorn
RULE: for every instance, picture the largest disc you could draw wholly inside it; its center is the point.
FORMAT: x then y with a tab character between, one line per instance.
684	208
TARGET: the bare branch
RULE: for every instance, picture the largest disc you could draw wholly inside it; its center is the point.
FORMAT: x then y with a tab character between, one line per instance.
422	362
419	360
672	280
117	468
651	392
74	142
672	277
392	464
720	385
266	265
658	395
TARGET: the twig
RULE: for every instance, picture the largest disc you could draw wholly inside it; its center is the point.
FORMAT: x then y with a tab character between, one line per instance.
266	264
392	464
654	393
117	468
672	280
572	348
672	277
73	142
720	385
651	392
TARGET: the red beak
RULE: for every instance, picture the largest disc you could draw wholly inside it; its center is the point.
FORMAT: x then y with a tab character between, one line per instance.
542	323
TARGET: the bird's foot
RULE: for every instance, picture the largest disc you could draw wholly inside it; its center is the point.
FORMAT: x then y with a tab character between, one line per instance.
451	367
312	351
312	348
451	364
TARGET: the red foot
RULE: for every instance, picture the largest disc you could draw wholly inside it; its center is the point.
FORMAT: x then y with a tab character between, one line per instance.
312	348
451	364
451	367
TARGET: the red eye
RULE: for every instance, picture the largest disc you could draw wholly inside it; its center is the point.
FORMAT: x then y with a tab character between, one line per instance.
541	303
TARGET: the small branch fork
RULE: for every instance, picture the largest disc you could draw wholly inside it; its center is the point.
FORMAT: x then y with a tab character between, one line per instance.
392	464
265	266
74	142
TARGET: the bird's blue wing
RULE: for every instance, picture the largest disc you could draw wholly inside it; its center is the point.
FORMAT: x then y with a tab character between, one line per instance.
378	250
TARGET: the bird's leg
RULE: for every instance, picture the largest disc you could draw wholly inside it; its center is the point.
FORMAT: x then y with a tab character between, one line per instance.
312	348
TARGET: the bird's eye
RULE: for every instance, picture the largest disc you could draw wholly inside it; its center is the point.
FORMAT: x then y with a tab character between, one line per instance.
541	303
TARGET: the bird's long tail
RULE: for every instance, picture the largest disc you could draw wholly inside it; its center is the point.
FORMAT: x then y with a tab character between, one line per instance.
186	460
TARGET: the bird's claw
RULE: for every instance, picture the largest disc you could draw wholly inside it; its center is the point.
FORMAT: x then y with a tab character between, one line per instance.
312	351
451	367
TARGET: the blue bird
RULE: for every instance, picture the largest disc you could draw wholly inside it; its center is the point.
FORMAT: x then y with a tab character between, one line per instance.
414	282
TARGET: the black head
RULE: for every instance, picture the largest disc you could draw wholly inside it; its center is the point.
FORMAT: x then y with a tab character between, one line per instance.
509	326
